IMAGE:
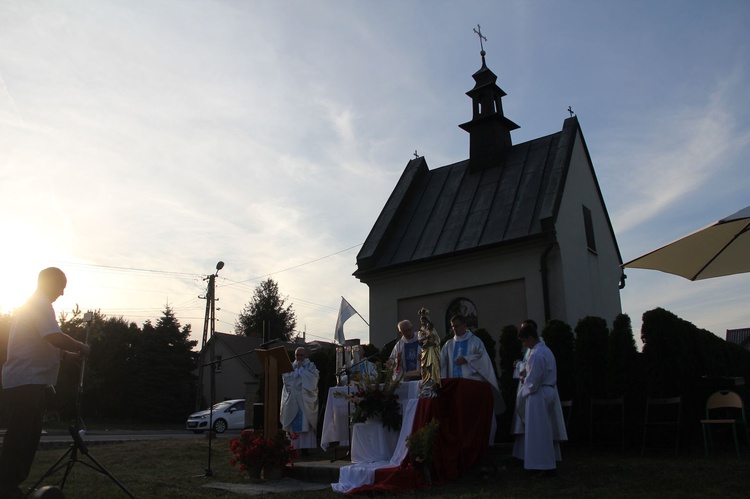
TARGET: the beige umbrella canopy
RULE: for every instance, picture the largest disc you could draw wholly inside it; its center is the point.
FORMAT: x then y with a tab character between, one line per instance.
722	248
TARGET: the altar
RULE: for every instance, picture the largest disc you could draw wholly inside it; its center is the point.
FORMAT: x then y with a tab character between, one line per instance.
465	411
336	418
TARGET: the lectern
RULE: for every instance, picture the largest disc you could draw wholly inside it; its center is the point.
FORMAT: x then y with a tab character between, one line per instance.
275	362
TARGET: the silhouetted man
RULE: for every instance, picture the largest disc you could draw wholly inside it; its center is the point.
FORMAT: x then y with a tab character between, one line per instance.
35	347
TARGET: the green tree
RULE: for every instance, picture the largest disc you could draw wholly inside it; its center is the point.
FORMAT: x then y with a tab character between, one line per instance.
267	314
164	362
110	368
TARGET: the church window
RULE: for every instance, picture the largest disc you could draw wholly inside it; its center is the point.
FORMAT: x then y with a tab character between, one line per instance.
461	306
589	227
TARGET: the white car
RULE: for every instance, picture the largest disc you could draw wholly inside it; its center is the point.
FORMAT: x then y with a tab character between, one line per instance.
227	415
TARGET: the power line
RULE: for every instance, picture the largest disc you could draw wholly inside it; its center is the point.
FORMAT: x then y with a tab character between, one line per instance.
193	275
113	268
186	306
294	267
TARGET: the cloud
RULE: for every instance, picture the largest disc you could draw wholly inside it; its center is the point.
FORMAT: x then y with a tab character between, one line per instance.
166	136
669	160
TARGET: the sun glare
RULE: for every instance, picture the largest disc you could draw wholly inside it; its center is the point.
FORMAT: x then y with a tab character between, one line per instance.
21	259
19	273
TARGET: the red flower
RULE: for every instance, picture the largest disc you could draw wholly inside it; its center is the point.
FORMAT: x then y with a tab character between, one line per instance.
252	449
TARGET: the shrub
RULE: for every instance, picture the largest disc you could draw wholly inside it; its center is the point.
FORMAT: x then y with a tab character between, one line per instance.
622	358
558	336
591	355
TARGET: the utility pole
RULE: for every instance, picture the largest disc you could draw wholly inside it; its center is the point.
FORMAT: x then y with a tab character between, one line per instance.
209	328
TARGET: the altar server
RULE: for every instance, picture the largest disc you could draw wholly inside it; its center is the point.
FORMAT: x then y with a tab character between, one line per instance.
544	426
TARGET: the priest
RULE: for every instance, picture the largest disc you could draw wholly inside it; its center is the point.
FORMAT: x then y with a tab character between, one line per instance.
406	353
299	401
464	356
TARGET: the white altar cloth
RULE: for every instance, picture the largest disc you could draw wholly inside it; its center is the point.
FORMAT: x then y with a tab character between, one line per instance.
356	475
371	441
336	418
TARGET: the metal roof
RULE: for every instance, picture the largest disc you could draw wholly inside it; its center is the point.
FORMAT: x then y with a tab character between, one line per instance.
451	209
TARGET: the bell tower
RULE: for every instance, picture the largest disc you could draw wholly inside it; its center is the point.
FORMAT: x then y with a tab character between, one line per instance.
489	129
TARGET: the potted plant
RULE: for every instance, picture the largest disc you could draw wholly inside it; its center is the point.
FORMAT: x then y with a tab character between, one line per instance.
420	445
254	453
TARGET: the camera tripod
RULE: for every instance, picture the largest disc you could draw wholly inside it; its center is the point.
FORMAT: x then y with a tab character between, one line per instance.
78	445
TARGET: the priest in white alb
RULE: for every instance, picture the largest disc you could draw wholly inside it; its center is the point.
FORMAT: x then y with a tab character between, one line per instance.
299	401
464	356
544	426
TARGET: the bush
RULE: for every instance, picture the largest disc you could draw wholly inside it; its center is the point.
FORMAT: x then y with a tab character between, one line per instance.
591	358
489	345
669	362
558	336
622	358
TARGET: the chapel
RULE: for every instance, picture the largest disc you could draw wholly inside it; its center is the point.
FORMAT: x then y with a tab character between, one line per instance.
514	231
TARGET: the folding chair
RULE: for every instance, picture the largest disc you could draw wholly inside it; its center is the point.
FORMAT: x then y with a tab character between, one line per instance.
724	404
663	415
607	416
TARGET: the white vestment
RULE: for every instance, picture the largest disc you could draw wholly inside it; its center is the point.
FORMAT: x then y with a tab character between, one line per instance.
478	366
402	364
544	425
299	404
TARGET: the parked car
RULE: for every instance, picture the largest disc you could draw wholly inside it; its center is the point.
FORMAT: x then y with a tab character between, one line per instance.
227	415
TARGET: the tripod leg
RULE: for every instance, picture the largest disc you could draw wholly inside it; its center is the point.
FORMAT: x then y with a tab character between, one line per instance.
69	466
101	469
54	468
77	445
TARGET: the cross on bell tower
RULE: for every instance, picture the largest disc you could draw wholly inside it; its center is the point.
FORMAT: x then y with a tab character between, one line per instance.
478	31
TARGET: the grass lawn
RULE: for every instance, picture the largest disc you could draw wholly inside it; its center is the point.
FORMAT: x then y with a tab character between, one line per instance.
175	468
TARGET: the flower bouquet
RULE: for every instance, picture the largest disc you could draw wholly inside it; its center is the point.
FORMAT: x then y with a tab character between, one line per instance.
252	451
374	400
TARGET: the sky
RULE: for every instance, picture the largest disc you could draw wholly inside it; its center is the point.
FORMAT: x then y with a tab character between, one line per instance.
142	142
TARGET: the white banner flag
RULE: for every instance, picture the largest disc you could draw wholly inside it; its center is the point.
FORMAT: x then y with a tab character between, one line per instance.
345	311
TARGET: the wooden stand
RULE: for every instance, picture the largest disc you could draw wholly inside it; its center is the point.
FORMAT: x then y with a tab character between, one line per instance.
275	362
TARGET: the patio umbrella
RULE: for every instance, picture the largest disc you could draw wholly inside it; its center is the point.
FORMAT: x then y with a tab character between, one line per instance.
722	248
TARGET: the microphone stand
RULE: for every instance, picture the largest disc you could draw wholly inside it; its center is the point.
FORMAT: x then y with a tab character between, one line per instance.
76	434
